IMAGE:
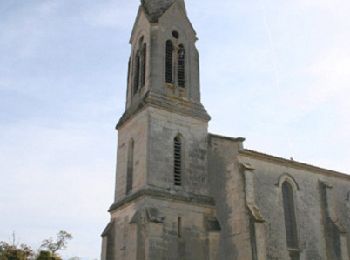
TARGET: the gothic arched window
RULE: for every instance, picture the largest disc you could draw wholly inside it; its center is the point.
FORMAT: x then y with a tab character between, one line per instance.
136	73
177	161
169	61
143	65
289	216
130	167
181	66
139	72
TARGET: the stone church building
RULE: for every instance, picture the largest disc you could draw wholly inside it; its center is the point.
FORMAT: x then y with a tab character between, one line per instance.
183	193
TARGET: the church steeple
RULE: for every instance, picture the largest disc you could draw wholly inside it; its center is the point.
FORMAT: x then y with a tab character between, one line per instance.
164	61
156	8
162	205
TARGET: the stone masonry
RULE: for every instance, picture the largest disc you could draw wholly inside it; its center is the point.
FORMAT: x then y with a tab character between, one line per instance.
183	193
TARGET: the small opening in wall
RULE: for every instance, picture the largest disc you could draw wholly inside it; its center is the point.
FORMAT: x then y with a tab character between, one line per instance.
179	227
175	34
177	161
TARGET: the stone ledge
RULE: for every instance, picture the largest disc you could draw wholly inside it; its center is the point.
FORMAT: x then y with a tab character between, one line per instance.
292	164
195	199
171	104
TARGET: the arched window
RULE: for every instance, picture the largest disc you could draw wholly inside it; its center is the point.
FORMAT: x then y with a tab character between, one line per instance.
130	167
169	61
136	73
139	71
289	216
177	161
143	65
129	70
181	66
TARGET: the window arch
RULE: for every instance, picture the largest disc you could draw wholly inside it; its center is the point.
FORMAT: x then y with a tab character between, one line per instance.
143	65
181	66
130	167
139	72
175	61
178	163
136	73
289	216
169	61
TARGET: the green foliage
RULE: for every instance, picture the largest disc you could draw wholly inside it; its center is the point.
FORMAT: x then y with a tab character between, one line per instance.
47	255
14	251
59	244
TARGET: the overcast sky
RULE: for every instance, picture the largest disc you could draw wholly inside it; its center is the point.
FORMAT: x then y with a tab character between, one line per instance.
275	72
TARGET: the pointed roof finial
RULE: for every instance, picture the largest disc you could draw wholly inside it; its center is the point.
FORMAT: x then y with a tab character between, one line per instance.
156	8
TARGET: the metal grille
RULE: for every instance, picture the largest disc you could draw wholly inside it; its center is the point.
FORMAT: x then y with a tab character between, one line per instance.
169	62
177	161
289	216
181	66
143	66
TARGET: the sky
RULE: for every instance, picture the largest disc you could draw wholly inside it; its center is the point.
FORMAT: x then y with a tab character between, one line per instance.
275	72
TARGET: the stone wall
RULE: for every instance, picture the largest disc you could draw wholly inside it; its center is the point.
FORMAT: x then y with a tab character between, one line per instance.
227	188
151	228
135	129
164	127
311	210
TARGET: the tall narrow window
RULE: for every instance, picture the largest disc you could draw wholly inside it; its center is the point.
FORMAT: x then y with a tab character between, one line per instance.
169	61
177	161
143	65
137	73
289	216
181	66
129	70
179	227
130	167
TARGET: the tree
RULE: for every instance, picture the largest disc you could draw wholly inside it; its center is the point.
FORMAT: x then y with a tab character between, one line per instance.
59	244
48	250
46	255
14	251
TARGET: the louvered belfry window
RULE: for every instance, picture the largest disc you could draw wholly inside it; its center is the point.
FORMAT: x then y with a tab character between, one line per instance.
289	216
177	161
169	61
181	66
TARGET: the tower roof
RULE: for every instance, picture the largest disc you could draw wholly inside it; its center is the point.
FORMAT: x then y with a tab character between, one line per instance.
156	8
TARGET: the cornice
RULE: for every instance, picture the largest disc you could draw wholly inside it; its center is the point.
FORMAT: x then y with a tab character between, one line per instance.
171	104
193	198
293	164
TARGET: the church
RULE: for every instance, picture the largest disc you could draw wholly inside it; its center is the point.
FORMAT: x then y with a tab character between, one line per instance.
185	194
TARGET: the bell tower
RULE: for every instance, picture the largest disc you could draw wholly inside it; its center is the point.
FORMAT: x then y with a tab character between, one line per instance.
162	207
164	61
